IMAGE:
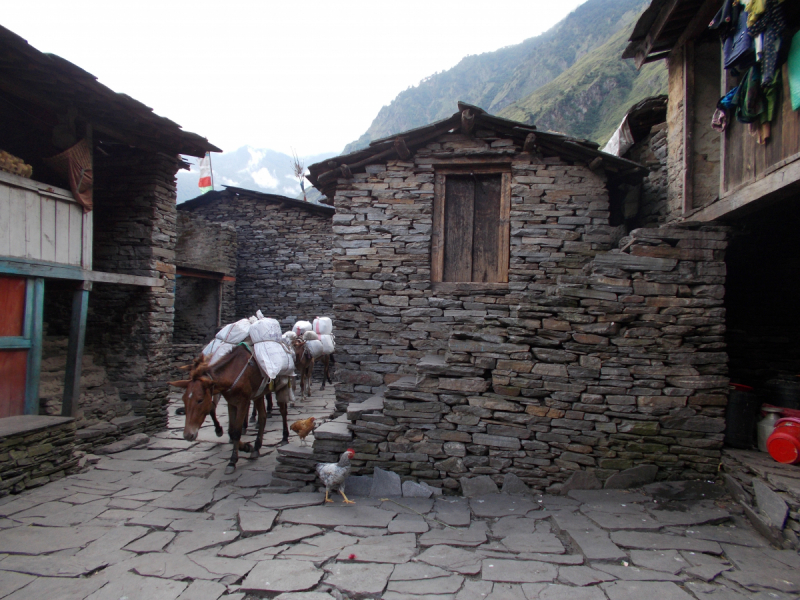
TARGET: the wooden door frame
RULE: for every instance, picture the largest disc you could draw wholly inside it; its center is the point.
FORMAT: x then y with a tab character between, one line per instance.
437	231
30	340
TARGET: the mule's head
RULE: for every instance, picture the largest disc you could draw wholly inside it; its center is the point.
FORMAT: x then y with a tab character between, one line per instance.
198	397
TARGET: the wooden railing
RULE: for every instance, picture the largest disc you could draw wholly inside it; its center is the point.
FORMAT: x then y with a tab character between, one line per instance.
43	223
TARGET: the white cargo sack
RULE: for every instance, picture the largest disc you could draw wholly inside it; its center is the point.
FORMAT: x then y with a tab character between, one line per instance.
328	345
265	330
289	337
226	340
315	348
301	327
323	326
274	358
220	351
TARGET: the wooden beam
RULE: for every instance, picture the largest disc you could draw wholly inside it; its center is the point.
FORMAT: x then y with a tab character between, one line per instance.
34	318
655	30
77	336
699	22
688	128
775	186
35	268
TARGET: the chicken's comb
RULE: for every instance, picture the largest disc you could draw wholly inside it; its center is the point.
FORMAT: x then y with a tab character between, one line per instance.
350	450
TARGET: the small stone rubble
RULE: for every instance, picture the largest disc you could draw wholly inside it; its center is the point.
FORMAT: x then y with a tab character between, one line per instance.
162	521
769	493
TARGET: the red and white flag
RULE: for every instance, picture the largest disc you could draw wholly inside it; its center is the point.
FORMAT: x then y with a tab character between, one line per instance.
205	184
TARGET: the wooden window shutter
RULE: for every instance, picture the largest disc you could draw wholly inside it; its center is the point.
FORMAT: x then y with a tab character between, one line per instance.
470	238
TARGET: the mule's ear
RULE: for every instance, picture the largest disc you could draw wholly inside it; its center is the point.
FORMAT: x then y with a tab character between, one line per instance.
185	367
181	384
206	381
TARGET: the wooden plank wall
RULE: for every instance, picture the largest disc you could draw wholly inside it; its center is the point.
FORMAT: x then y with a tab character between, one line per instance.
745	159
43	226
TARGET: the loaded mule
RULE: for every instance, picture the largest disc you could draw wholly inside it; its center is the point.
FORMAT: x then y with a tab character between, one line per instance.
238	378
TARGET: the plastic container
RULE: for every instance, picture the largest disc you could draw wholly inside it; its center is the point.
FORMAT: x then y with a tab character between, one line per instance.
740	417
784	442
765	426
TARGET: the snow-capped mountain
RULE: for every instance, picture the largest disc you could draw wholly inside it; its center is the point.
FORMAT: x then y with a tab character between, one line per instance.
250	168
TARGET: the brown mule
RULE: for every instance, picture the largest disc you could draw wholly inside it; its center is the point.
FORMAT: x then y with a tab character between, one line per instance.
304	366
327	360
238	378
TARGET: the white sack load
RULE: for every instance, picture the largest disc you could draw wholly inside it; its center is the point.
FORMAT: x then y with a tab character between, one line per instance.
265	330
315	348
310	335
328	345
289	337
274	358
301	327
235	332
221	350
323	326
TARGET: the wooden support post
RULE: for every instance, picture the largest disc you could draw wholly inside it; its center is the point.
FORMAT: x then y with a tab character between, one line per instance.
467	121
530	143
688	128
34	316
77	335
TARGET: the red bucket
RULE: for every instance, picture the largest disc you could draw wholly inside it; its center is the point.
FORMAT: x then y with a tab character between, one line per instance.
784	442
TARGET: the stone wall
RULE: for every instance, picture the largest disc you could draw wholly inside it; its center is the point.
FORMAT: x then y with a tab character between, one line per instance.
647	206
283	255
588	359
130	327
35	451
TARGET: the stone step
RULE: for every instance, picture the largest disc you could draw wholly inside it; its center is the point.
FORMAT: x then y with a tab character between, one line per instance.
334	430
436	364
370	406
128	422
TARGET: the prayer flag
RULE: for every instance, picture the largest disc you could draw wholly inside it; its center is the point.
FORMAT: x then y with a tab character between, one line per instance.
205	183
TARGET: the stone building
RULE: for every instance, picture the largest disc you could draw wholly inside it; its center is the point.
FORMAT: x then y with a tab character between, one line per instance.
205	284
492	320
87	237
283	252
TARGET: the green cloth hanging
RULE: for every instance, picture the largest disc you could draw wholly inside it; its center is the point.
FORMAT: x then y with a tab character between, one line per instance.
794	71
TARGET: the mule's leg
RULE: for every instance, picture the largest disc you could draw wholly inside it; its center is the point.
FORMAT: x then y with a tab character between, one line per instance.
269	404
325	363
255	412
331	360
246	409
235	435
284	408
262	423
282	396
217	427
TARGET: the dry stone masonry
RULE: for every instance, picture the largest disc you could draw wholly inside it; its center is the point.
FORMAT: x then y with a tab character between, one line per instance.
283	252
588	359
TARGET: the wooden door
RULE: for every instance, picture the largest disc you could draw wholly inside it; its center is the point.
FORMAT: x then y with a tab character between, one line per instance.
471	228
13	347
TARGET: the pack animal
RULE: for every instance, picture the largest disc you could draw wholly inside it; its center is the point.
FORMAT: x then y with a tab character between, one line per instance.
304	366
238	378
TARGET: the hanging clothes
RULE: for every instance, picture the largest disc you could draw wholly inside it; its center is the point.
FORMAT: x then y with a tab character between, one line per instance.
772	25
793	66
755	8
738	49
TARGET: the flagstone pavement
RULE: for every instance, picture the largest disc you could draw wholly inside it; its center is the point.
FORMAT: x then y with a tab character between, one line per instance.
162	522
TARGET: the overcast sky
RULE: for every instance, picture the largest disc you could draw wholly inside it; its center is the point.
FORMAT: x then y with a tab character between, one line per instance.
302	74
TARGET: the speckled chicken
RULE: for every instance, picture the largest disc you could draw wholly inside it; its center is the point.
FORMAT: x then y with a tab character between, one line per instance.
333	475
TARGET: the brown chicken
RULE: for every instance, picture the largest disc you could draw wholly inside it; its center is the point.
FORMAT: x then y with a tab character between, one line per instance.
302	428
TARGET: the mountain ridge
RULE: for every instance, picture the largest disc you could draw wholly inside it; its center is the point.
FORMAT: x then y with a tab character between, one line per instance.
502	81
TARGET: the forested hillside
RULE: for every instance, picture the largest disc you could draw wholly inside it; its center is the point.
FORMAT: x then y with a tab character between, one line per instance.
569	79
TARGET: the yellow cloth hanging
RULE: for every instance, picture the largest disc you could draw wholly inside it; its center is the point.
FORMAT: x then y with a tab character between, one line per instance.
755	8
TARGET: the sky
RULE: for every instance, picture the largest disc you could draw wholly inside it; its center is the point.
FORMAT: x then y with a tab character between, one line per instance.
301	75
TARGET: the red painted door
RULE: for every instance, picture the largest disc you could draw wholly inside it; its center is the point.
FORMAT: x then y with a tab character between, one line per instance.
13	362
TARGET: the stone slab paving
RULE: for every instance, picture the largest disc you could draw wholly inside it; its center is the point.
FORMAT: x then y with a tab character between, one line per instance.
162	521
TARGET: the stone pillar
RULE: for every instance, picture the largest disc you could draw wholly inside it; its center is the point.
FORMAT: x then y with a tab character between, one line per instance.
130	327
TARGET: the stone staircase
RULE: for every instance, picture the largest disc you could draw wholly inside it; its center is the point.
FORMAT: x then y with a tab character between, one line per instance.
372	429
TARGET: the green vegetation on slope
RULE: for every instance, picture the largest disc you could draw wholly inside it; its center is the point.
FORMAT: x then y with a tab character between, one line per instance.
589	99
496	80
